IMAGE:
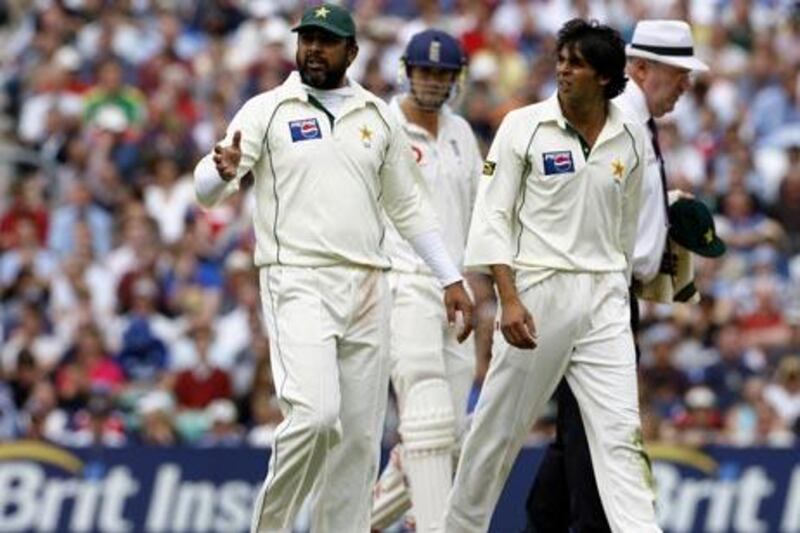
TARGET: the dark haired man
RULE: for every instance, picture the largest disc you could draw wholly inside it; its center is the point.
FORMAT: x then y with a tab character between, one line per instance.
328	160
660	59
555	222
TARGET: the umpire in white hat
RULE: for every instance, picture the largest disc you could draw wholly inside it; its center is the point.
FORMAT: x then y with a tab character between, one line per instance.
661	57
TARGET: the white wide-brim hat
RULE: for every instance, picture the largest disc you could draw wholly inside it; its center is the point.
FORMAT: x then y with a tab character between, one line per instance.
665	41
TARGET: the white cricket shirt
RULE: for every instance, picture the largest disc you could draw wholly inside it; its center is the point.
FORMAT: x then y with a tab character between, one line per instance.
322	184
545	207
451	164
651	236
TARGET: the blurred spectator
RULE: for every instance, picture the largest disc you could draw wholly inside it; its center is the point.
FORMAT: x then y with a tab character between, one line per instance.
137	251
142	356
786	211
736	364
143	353
741	226
87	366
9	416
202	382
27	203
83	290
157	427
42	418
111	93
80	209
30	335
55	103
98	424
663	384
225	429
265	419
763	325
144	318
701	420
778	103
27	257
262	406
754	422
194	283
783	393
169	198
22	377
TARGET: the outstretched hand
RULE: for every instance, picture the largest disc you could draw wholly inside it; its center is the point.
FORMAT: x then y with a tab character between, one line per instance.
226	158
456	299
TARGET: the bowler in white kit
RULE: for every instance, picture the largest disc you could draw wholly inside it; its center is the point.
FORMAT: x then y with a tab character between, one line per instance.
556	222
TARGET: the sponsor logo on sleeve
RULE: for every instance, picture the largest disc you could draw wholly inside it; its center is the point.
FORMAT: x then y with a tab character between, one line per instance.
558	163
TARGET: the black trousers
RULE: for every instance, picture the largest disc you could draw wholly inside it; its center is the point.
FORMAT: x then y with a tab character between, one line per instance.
564	495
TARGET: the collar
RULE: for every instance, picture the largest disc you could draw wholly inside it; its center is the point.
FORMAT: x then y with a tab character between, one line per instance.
634	102
614	124
551	111
292	89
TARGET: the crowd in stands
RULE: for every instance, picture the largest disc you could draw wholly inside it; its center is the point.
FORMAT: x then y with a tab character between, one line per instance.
130	315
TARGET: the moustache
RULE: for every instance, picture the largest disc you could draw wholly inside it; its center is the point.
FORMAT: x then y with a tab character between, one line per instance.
315	59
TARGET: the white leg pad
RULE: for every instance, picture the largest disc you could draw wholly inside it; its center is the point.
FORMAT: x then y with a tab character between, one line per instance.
427	426
391	497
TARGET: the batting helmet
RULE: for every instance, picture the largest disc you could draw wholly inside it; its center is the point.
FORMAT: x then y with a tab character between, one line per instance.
434	48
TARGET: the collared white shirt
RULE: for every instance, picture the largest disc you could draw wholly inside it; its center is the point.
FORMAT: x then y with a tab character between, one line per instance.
451	164
651	236
322	183
545	207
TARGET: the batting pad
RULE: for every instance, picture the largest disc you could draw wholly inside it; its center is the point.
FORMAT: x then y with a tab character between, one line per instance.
427	422
427	426
392	497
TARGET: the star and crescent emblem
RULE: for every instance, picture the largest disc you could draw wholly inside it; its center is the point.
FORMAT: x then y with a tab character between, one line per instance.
366	135
617	169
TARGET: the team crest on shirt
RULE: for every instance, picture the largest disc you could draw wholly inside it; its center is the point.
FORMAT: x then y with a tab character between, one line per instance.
558	162
305	129
366	136
617	169
488	167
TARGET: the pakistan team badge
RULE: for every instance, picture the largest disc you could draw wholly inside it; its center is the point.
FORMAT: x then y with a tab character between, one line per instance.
366	136
617	169
322	12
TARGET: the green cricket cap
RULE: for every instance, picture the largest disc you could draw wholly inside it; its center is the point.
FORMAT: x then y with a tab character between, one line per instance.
329	17
692	226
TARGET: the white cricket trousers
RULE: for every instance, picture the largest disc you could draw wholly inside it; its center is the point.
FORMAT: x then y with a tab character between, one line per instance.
423	347
329	332
582	322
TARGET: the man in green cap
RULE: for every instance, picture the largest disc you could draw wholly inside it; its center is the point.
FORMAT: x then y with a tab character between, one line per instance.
328	158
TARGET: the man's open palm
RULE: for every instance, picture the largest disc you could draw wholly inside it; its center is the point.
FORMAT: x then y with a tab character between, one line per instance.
226	158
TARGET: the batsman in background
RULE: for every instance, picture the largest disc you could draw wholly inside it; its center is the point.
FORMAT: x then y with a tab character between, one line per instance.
432	373
328	158
556	222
